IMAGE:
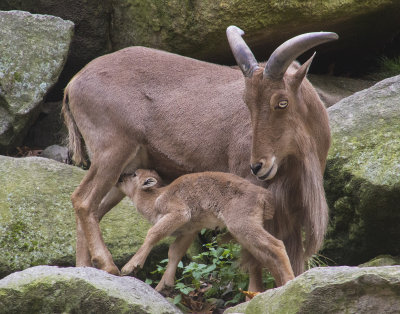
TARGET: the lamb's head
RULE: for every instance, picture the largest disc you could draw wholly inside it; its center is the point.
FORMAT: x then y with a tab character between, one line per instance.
140	180
287	116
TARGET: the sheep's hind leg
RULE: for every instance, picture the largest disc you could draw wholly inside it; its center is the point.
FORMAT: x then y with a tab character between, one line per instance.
268	250
253	267
101	177
175	253
83	257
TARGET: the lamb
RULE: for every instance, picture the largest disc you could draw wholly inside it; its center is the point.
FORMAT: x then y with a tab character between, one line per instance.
204	200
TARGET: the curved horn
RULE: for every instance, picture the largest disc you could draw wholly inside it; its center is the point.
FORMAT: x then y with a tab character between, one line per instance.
242	53
286	53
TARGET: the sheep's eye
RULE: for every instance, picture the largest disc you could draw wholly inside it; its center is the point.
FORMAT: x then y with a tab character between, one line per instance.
282	104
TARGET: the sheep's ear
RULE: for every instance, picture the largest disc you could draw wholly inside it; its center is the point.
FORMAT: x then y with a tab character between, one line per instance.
302	72
149	182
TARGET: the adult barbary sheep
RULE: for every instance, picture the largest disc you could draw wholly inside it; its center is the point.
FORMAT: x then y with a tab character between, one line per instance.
204	200
144	108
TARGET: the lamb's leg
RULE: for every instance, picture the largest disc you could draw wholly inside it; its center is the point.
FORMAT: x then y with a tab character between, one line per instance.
175	253
268	250
163	228
254	269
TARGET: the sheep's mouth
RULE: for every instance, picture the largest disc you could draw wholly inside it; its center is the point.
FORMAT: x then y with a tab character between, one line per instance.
270	173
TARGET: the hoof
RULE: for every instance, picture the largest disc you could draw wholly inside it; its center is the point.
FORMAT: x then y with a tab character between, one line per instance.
113	270
125	271
165	291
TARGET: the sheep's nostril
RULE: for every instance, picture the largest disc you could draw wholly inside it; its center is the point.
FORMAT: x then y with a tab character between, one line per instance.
255	168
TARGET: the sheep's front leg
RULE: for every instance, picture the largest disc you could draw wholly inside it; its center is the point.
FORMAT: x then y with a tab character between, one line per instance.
163	228
175	254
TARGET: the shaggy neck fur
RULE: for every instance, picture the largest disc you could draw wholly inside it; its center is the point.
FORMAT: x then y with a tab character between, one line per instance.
301	208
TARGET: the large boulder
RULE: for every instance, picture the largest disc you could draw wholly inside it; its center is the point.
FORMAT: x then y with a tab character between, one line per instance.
331	290
33	49
37	222
92	20
362	179
198	28
47	289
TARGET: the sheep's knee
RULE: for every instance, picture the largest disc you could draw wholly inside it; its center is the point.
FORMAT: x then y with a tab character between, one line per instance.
81	207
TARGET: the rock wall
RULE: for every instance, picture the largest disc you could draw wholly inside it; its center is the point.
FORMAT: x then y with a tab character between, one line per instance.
197	28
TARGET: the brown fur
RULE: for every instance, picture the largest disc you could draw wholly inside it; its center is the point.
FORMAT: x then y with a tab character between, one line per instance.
143	108
204	200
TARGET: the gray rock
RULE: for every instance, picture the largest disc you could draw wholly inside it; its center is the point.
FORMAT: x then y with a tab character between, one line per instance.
331	290
37	221
56	152
362	179
33	49
92	34
46	289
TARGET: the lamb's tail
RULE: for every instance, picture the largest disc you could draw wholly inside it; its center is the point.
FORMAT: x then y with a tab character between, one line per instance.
75	141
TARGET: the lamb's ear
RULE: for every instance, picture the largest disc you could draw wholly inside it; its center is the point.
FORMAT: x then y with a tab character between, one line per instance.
149	182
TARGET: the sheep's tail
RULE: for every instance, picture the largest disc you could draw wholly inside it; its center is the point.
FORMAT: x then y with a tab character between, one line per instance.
75	141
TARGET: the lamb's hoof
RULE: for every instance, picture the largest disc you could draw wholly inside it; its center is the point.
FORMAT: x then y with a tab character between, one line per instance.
166	291
125	271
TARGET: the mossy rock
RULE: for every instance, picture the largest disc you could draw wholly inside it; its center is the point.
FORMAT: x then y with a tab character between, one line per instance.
37	221
197	28
49	289
362	179
331	290
33	49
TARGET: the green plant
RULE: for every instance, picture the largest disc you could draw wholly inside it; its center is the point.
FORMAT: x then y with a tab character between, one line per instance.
215	272
318	260
387	67
212	278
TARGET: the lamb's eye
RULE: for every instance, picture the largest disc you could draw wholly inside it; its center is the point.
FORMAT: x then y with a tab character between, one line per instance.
282	104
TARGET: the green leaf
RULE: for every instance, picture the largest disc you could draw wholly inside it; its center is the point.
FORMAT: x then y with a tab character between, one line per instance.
177	299
210	268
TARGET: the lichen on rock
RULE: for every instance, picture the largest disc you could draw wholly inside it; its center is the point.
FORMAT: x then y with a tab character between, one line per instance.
37	220
362	179
331	290
47	289
33	49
